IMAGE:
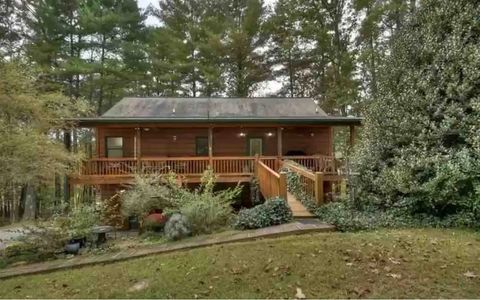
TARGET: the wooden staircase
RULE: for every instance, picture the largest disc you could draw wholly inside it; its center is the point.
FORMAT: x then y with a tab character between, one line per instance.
298	209
273	184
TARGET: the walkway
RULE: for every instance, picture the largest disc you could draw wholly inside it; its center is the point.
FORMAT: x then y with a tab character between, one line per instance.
298	227
299	211
9	233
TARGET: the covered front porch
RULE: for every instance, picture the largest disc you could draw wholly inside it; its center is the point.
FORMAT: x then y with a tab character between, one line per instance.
230	151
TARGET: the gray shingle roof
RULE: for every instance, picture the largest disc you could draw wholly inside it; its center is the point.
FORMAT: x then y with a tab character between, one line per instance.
212	108
217	110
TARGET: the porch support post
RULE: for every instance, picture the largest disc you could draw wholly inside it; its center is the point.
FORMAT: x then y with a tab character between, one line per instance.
138	147
319	187
210	146
279	147
97	143
352	136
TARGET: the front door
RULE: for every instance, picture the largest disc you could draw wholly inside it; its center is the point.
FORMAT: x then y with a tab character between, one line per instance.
255	146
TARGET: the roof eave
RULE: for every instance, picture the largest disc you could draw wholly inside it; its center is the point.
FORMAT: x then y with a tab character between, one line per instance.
91	122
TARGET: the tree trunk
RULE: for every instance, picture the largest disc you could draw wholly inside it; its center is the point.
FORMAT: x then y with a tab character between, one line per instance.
29	202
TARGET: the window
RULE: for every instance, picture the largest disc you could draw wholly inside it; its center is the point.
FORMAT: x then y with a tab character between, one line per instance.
201	146
114	147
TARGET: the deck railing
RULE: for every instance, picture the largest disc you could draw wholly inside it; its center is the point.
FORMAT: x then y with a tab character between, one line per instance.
231	165
272	184
316	163
312	182
179	165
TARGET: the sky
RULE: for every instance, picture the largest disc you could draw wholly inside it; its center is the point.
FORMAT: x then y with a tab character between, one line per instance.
265	88
152	21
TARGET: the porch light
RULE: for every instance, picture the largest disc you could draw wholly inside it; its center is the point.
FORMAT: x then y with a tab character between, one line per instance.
242	134
146	129
269	133
174	138
312	134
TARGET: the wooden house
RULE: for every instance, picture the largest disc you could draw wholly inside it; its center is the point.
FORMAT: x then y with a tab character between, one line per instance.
233	136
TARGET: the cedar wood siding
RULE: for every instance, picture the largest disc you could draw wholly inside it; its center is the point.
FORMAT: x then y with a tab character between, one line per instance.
300	138
226	140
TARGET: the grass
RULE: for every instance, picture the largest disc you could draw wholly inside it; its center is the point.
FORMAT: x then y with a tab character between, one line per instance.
422	263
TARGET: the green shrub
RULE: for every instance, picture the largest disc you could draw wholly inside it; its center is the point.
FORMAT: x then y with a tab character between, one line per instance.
18	249
147	193
81	220
177	227
271	212
207	214
346	218
46	238
22	252
206	210
420	146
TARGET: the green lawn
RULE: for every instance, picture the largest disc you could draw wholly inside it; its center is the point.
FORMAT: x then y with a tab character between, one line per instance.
425	263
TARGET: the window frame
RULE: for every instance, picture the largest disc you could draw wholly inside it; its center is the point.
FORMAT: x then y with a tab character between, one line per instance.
107	148
197	139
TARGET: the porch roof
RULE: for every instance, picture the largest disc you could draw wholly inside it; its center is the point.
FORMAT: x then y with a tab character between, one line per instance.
217	110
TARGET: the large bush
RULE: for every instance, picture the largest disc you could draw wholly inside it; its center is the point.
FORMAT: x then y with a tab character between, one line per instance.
345	217
421	141
272	212
148	193
206	210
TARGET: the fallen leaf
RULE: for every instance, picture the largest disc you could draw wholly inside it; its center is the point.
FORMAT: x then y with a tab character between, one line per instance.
361	292
349	264
141	285
395	276
300	294
394	261
470	274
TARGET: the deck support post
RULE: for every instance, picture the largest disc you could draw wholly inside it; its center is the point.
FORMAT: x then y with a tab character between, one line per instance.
279	147
319	194
210	147
282	186
138	148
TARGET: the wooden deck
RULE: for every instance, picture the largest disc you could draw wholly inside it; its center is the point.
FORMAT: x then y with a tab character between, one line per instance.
313	171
